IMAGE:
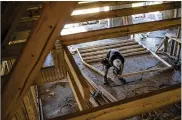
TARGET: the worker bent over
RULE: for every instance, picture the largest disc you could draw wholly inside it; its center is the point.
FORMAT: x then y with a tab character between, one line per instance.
116	60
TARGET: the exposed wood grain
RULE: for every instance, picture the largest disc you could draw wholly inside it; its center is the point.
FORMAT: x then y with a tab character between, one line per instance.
104	54
124	12
145	71
119	31
106	44
122	48
33	55
156	56
77	75
130	107
134	44
125	55
78	97
90	5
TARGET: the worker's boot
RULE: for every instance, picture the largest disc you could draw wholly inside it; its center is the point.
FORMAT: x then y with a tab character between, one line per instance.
122	80
106	81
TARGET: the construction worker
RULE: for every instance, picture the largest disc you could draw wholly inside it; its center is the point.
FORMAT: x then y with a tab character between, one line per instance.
116	60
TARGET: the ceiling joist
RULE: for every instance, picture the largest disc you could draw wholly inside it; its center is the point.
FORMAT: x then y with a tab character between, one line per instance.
119	31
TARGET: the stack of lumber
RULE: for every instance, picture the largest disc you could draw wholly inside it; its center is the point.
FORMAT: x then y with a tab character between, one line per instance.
126	47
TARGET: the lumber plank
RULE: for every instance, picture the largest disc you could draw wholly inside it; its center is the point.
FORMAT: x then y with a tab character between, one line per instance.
78	77
112	98
156	56
129	107
105	51
78	97
145	71
124	12
122	51
119	31
124	55
90	5
173	38
91	67
106	44
108	47
33	55
160	44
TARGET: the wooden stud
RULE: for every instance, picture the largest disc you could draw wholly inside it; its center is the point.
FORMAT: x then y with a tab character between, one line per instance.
156	56
76	92
161	44
78	77
172	47
118	31
130	107
34	54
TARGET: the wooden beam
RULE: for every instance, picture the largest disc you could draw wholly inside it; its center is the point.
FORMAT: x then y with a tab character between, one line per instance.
78	77
78	97
33	55
123	12
119	31
145	71
156	56
129	107
90	5
174	38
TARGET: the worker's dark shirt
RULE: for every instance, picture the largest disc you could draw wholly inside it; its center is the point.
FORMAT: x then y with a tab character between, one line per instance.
114	54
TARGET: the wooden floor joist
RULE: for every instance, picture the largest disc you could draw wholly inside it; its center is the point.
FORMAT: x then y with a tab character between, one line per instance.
90	5
129	107
108	47
119	31
122	50
106	44
124	12
125	55
104	54
33	55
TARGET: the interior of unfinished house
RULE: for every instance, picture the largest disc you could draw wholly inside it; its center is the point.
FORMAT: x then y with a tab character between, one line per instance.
91	60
